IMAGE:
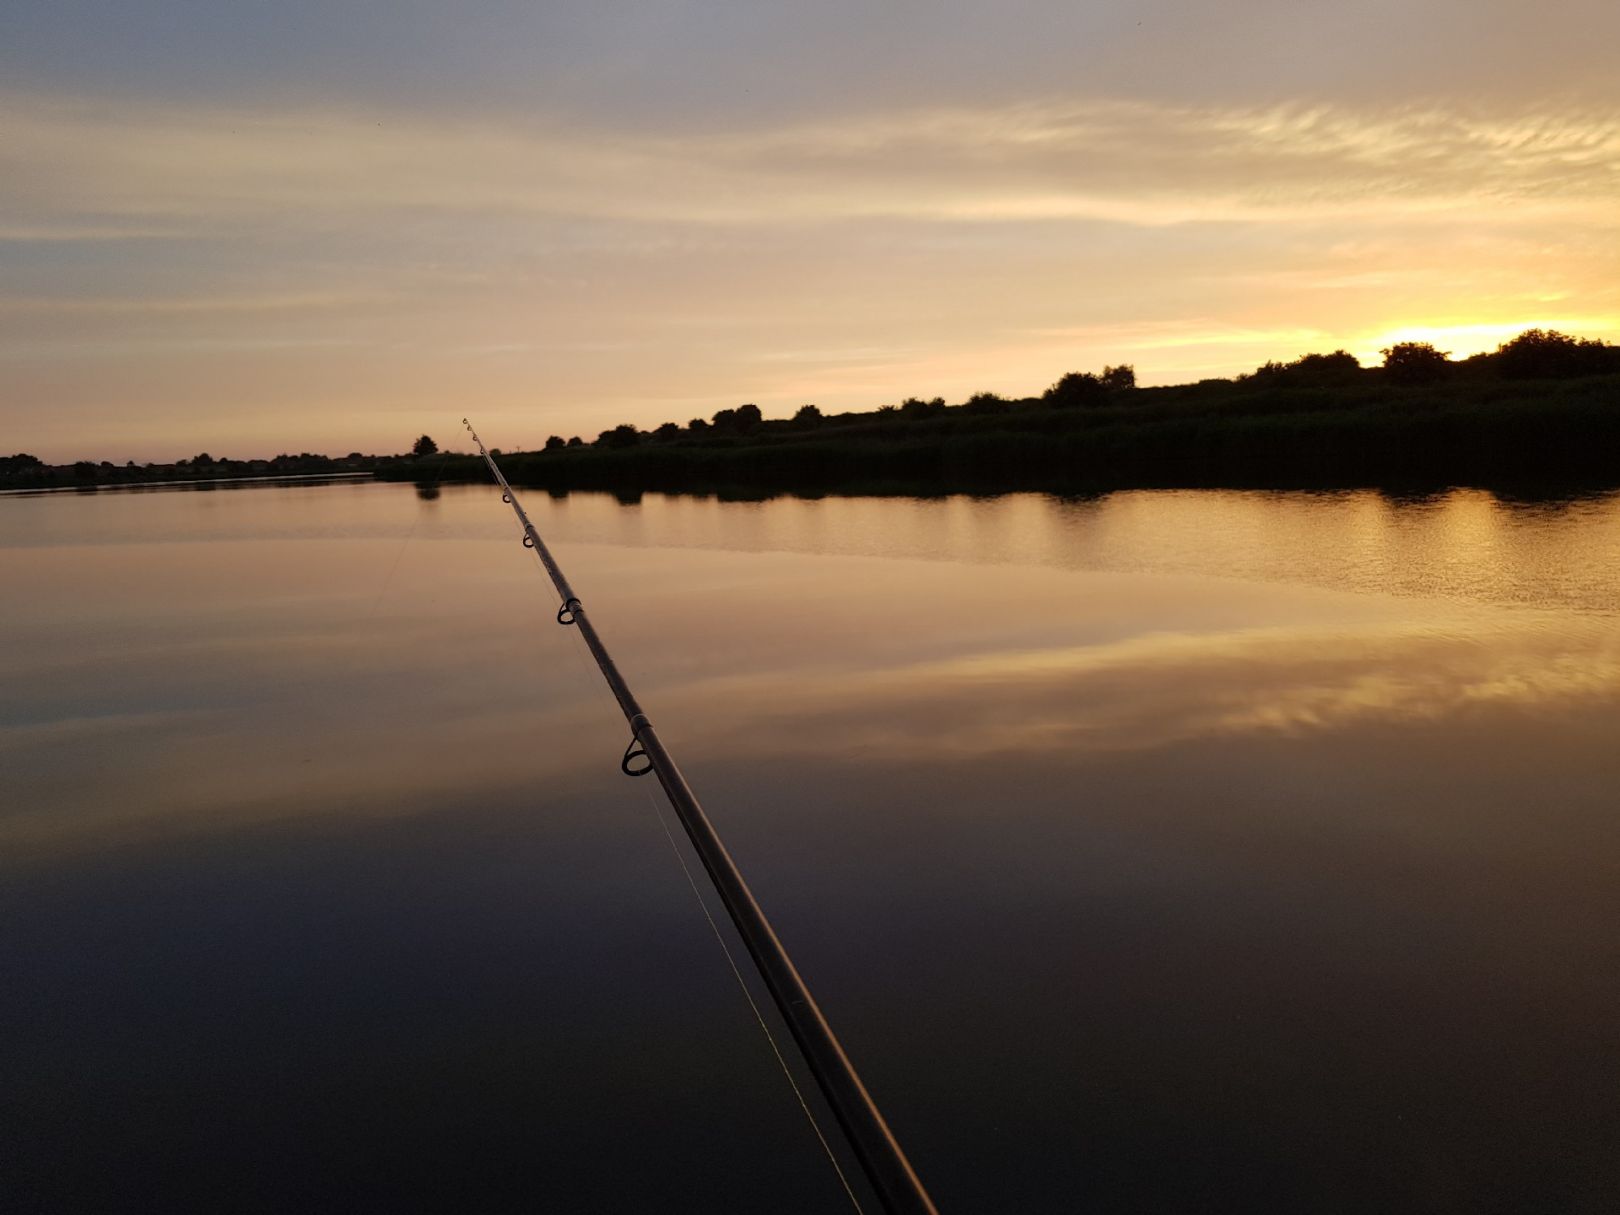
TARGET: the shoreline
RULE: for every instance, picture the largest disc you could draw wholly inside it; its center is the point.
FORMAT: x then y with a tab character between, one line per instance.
100	486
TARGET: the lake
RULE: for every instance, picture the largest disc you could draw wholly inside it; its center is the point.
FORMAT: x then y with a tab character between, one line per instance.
1163	851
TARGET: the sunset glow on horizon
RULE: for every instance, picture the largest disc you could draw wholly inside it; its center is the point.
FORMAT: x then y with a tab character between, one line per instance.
333	229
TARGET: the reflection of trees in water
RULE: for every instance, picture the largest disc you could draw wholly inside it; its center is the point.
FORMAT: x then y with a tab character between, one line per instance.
428	491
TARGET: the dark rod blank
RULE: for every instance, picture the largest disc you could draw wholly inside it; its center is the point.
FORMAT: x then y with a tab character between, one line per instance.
874	1145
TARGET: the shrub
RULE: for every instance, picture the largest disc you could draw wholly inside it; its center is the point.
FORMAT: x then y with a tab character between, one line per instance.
622	435
1078	388
1414	363
1546	354
915	407
1310	370
740	420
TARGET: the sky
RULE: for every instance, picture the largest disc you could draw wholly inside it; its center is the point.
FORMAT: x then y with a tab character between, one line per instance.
244	228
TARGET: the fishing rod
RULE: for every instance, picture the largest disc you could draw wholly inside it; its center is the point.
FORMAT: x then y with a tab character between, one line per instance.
874	1145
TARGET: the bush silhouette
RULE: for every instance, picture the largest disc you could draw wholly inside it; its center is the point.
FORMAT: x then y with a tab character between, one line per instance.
1078	388
22	462
1546	354
1334	370
424	446
623	435
739	421
1414	363
915	407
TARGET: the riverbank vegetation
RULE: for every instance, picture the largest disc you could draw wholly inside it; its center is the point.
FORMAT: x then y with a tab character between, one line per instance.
24	471
1542	410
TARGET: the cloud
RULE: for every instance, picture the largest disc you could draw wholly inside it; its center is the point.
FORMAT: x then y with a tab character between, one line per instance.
1125	163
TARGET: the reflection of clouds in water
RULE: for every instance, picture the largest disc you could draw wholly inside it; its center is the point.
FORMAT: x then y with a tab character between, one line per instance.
298	750
303	746
1157	690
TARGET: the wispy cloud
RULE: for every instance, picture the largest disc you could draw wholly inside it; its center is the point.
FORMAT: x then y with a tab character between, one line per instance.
1127	163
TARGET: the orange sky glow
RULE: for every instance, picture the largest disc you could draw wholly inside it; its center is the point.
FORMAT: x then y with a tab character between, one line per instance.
318	247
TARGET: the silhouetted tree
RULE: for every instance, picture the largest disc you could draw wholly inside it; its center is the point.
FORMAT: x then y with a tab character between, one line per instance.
622	435
576	441
555	443
915	407
1538	354
668	432
1313	370
1123	376
808	417
740	420
697	426
1078	388
1414	363
1547	354
424	446
1324	368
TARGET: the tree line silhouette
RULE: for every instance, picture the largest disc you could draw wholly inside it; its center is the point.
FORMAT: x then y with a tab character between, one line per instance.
1533	354
1544	407
25	471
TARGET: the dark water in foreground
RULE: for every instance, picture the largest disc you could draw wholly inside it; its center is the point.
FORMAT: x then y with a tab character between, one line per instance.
1165	852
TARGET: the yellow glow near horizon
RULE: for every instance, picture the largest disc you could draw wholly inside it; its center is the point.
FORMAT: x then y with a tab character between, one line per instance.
1462	340
254	278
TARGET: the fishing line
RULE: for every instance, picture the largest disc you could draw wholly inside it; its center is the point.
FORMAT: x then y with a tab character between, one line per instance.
736	971
894	1181
764	1026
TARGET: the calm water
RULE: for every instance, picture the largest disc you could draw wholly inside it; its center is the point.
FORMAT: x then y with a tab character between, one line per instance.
1163	852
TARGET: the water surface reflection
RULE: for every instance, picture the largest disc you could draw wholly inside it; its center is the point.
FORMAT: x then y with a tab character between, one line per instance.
1176	851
